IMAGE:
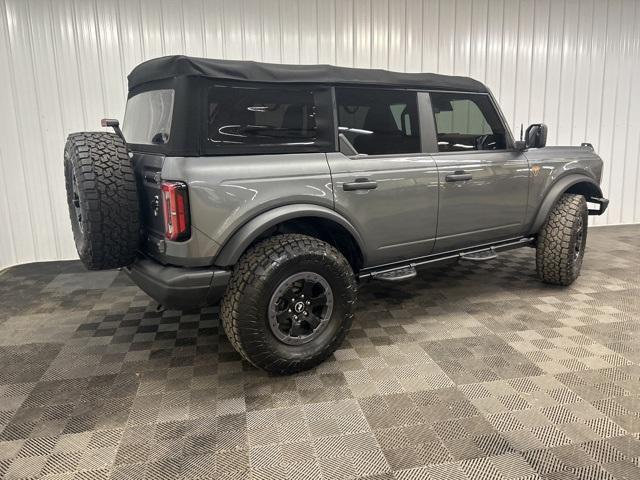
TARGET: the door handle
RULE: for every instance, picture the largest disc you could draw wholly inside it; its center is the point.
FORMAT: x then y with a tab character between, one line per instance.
360	184
458	176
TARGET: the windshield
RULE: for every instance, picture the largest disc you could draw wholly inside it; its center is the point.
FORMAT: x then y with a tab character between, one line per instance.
147	119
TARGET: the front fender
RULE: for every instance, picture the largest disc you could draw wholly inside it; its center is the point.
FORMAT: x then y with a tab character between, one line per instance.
556	190
245	235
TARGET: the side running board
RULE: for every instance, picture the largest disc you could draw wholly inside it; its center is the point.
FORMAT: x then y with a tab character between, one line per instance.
396	275
407	270
480	256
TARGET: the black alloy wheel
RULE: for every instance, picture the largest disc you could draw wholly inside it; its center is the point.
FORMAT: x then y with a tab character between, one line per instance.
300	308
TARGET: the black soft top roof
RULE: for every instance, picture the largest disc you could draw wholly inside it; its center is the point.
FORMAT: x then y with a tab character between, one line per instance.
240	70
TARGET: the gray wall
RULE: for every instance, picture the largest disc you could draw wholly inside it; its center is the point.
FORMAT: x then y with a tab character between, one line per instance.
572	64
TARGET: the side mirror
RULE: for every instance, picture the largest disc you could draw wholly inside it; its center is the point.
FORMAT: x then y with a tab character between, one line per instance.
520	145
536	135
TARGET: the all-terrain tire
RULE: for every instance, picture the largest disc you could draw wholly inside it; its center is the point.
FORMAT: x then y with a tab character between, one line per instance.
258	274
102	198
561	241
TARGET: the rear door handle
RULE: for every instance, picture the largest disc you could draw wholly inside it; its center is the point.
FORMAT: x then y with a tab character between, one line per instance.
458	176
360	184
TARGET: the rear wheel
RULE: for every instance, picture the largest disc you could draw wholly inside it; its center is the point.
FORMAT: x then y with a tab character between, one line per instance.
102	198
562	241
289	303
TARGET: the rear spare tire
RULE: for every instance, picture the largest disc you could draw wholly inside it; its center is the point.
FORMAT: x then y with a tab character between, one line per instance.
102	198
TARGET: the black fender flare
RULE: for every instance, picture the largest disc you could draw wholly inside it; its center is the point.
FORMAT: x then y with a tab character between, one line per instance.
554	193
240	240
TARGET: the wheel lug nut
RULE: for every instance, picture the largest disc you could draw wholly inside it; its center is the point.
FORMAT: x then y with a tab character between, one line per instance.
305	313
301	296
295	317
289	310
308	302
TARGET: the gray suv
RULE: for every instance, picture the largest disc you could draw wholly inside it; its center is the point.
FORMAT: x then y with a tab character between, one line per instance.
276	189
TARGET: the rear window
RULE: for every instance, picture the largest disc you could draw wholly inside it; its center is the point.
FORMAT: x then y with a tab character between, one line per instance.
249	118
147	120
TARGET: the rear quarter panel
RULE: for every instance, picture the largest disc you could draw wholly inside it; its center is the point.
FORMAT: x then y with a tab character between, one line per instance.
227	191
551	163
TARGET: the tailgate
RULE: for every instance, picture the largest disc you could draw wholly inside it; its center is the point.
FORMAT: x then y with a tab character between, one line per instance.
147	169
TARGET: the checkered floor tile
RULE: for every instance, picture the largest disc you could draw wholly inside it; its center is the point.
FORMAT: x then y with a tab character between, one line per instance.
466	372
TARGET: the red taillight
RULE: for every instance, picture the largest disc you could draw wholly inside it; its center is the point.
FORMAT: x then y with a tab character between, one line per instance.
175	205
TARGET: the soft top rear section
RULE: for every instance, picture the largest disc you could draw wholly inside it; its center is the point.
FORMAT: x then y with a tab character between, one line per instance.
179	125
239	70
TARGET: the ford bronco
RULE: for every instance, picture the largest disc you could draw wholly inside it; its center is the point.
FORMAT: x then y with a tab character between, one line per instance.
274	189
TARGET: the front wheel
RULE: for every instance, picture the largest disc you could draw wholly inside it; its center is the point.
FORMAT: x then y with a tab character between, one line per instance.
289	303
562	240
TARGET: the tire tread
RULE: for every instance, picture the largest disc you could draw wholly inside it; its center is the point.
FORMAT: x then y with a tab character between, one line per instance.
248	272
107	181
555	262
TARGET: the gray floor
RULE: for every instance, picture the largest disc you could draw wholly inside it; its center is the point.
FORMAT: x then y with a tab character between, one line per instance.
467	372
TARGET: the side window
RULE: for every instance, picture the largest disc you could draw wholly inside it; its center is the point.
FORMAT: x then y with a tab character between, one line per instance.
252	119
378	121
467	122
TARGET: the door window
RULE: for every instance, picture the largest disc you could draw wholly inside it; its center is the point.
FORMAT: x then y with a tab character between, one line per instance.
378	121
467	122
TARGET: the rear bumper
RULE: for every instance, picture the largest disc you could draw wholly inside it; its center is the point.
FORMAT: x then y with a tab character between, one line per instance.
176	287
